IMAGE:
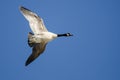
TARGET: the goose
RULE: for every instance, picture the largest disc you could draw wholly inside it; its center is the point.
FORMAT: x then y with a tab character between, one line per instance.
40	36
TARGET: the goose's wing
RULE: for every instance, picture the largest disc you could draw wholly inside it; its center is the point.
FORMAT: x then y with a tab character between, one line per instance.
36	51
36	23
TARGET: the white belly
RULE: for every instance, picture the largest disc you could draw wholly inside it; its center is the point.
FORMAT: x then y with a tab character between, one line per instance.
44	37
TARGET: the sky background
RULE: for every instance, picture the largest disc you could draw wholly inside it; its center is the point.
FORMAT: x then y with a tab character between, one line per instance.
93	53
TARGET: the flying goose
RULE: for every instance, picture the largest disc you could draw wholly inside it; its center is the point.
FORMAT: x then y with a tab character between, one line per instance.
40	36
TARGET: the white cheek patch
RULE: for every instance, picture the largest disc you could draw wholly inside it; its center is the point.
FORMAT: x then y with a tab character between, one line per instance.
68	35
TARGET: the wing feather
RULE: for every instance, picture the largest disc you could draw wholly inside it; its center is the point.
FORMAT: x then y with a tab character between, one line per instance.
36	51
36	23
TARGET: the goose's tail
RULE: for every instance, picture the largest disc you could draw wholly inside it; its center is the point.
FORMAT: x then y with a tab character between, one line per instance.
30	39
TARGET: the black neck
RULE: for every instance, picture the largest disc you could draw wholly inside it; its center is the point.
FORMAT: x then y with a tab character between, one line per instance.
60	35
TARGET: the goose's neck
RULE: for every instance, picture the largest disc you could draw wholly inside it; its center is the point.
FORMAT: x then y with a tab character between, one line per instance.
66	35
61	35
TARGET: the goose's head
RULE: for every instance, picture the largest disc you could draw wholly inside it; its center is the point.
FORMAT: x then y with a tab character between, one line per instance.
69	34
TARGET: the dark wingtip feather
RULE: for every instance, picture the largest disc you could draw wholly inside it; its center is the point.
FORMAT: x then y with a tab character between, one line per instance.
29	60
23	8
27	63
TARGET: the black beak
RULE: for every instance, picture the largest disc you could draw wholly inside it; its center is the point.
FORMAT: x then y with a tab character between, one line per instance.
71	34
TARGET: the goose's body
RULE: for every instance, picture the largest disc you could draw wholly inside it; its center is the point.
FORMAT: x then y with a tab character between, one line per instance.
41	35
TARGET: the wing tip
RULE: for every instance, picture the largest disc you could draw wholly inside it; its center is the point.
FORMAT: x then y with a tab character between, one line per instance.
23	8
28	62
30	59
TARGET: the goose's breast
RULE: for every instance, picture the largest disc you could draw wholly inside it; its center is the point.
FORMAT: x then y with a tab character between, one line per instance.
46	36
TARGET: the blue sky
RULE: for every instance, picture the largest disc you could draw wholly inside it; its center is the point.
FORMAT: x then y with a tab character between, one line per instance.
91	54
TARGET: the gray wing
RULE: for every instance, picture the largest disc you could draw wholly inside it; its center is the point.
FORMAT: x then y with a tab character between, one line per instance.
36	51
36	23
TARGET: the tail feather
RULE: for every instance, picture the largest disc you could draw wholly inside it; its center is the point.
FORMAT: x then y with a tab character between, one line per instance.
30	42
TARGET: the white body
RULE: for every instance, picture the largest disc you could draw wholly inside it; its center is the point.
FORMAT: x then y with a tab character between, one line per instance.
44	37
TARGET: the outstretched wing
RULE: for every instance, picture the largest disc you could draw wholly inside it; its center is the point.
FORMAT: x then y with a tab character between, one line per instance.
36	51
36	23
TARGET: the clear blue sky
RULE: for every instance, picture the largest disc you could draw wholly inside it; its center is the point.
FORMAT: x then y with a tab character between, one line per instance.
93	53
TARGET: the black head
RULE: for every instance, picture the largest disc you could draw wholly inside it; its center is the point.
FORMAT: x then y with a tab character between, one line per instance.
69	34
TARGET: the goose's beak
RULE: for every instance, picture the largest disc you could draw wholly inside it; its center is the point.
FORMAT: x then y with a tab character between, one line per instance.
71	34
